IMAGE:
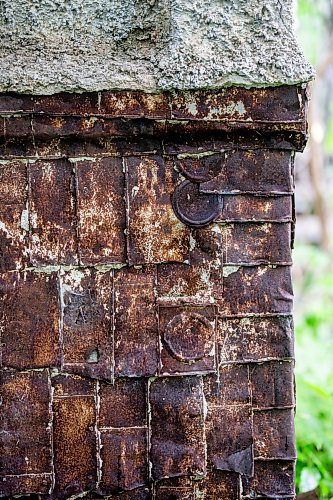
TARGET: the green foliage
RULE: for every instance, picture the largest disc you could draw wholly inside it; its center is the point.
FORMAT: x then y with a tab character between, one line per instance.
314	369
312	28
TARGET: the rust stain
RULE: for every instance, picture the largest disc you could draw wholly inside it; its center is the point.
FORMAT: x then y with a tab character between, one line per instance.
52	222
143	358
154	232
29	320
101	211
87	323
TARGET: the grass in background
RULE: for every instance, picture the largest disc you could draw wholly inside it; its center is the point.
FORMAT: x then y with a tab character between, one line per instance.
313	282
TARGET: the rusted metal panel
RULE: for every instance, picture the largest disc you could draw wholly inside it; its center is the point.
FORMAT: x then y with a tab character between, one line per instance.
270	173
74	437
255	339
229	438
187	339
29	320
25	438
18	127
272	479
136	351
274	434
101	211
66	104
135	104
272	385
177	427
124	459
219	485
124	403
13	215
154	232
178	488
230	386
87	338
169	346
256	290
52	222
199	281
280	104
256	243
256	208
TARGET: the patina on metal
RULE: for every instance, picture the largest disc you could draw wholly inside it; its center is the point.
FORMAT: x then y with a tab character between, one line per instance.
146	328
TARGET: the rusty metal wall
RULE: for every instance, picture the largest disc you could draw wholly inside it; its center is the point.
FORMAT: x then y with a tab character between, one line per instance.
146	300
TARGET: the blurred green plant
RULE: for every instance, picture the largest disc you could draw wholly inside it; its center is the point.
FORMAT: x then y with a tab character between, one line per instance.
313	279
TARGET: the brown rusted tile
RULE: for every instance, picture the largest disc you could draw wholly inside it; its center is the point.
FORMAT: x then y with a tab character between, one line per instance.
135	104
18	127
15	103
154	232
229	438
25	432
13	215
199	281
219	485
87	322
187	339
247	207
101	211
21	485
274	434
124	459
272	384
200	167
272	479
65	385
177	427
255	339
278	104
48	127
29	320
66	104
231	386
270	173
74	438
123	404
177	488
256	289
52	220
256	243
135	323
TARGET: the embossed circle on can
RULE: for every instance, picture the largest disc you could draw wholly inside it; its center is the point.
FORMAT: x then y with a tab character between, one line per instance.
189	337
201	169
194	208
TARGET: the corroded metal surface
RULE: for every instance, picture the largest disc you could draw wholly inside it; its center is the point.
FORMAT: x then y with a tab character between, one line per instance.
143	357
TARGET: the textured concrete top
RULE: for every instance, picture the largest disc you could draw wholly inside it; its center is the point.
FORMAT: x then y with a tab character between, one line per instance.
87	45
